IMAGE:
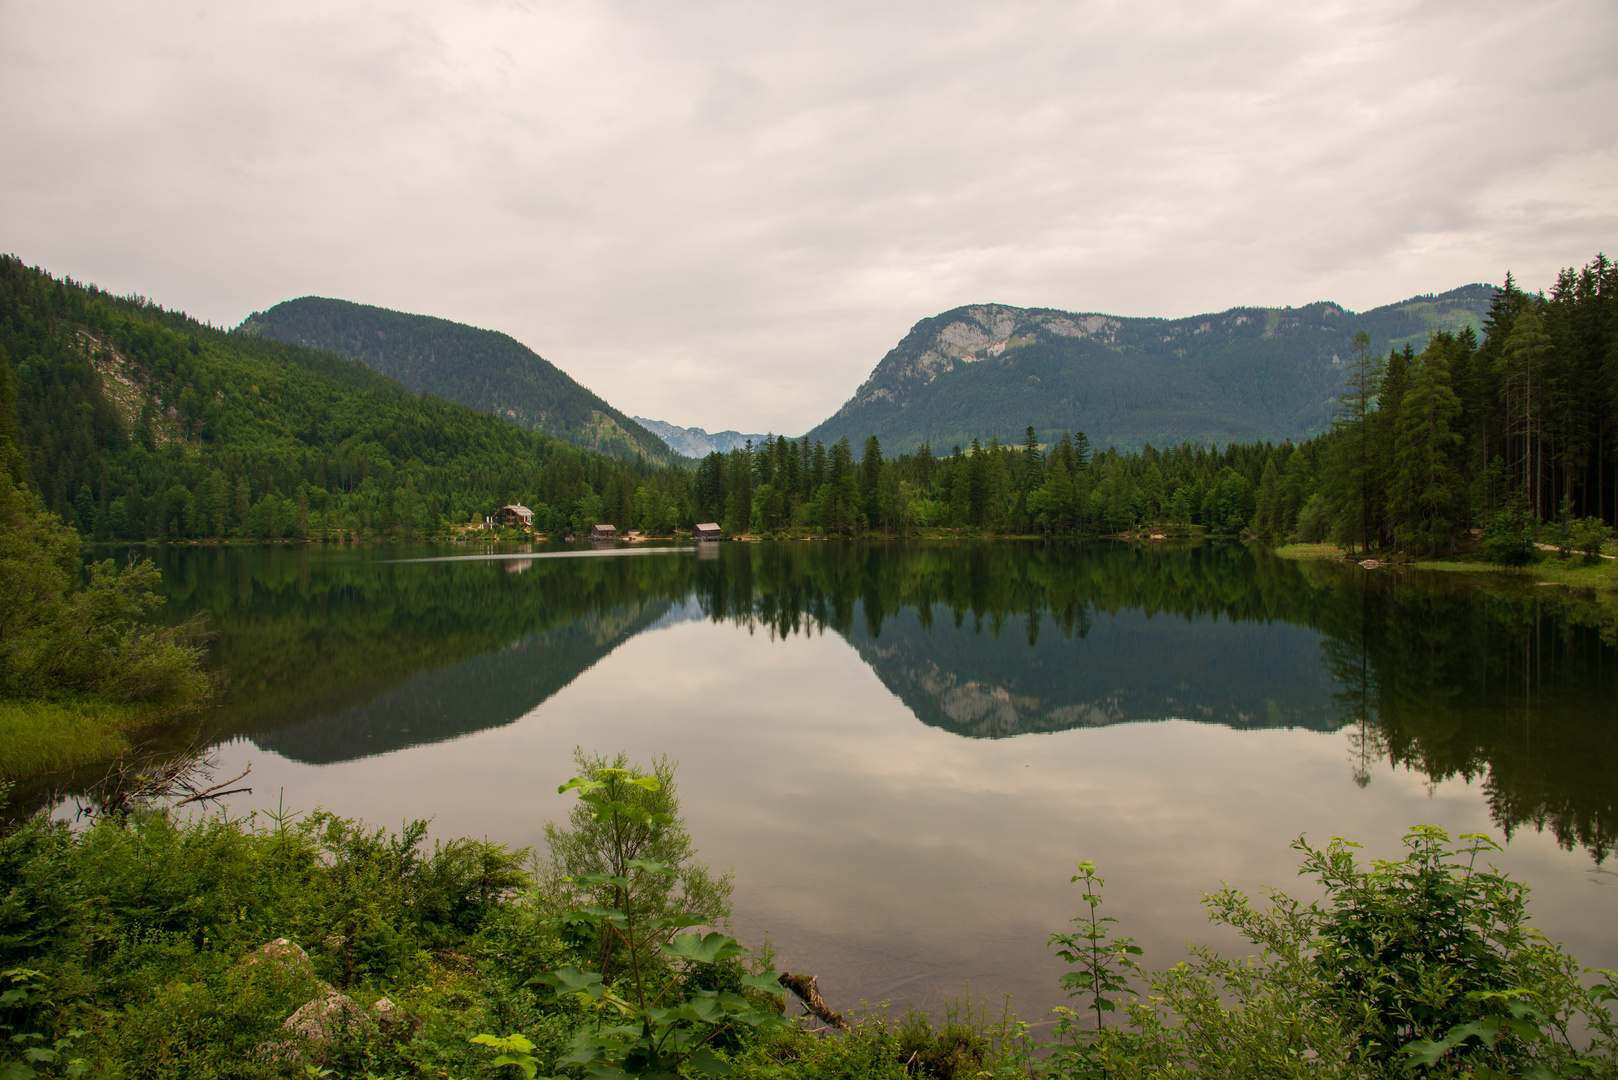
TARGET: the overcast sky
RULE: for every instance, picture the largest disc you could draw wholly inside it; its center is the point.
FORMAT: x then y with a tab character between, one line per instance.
723	214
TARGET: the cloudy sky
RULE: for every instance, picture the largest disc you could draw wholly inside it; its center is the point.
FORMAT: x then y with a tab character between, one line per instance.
723	214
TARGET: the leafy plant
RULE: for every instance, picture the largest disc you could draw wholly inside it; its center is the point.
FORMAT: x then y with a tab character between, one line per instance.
1103	966
1416	966
24	1053
588	848
647	1019
1104	963
1430	957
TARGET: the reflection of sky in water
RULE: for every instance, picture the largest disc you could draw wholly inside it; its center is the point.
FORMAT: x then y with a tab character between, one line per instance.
901	861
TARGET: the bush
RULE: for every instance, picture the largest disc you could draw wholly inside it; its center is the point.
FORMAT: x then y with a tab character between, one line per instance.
1587	535
1509	539
56	637
1422	966
1314	521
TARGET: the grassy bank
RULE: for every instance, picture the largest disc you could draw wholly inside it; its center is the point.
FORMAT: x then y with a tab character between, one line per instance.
48	736
1573	572
1547	567
1309	551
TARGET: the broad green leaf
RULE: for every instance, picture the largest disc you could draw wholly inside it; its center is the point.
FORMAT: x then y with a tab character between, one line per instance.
707	948
701	1009
651	866
768	982
527	1064
709	1063
570	980
580	782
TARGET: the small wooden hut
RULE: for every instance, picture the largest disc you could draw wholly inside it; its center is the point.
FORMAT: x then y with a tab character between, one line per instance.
708	530
604	532
514	514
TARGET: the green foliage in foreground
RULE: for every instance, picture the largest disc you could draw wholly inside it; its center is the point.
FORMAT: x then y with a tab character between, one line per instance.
79	665
1423	966
136	947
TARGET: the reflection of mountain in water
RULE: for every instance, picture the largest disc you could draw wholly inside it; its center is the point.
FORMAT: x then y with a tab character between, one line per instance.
1129	666
484	692
334	654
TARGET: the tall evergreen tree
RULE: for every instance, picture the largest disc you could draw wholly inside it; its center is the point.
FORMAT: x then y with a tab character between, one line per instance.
1348	479
1423	497
1521	368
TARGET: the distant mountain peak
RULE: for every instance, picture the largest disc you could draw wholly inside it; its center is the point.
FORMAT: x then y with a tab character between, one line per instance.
1244	374
694	442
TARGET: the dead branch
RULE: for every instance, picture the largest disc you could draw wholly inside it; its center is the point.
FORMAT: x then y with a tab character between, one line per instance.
807	990
186	778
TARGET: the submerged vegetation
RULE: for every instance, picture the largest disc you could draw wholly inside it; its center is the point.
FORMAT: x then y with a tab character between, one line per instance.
150	944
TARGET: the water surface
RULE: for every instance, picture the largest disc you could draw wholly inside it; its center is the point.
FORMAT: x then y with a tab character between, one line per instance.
901	749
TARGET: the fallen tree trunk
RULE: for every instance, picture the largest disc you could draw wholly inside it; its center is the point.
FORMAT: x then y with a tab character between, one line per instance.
807	989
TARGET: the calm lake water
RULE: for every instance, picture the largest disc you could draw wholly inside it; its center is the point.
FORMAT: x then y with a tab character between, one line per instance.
902	749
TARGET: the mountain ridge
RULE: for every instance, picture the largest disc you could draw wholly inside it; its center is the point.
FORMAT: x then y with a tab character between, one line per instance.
1244	374
483	369
694	442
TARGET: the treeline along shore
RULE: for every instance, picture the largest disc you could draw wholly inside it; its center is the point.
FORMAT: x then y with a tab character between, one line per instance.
135	423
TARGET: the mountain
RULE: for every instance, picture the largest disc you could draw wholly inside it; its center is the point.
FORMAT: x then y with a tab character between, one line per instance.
1246	374
484	369
140	423
693	442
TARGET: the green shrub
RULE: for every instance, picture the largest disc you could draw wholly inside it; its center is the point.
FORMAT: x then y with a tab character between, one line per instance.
1509	539
56	636
954	1051
1587	536
1421	966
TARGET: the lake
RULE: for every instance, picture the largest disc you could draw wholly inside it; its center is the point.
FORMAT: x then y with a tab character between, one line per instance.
901	749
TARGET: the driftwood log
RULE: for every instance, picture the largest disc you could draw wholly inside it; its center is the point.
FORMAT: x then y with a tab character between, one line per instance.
807	989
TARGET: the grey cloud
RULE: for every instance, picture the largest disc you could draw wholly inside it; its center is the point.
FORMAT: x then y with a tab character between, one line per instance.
724	213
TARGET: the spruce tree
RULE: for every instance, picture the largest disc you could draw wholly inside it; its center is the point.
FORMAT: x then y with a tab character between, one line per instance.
1522	360
1423	500
1348	476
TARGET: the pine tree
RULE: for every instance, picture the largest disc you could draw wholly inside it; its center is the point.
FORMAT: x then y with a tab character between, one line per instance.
1522	360
1423	500
1348	477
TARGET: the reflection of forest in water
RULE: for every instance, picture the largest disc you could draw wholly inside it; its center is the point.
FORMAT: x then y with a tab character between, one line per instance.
337	654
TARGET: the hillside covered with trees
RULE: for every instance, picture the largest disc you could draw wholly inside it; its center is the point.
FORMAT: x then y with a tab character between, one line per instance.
138	423
487	370
1243	375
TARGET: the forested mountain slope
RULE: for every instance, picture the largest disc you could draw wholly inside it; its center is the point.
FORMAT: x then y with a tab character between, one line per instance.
140	423
487	370
1244	375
